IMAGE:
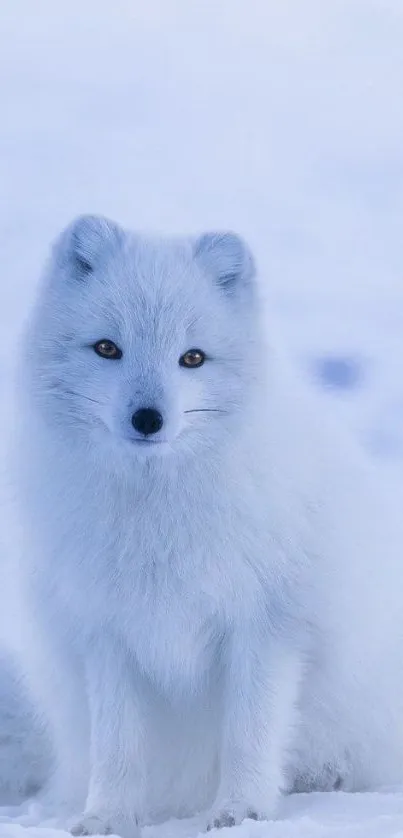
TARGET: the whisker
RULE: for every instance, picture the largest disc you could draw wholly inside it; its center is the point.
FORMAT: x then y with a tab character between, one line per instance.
80	396
206	410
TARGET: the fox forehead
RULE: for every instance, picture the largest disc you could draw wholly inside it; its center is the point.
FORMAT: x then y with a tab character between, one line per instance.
150	290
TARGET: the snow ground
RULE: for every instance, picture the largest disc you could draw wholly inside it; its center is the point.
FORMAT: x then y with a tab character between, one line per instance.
336	815
282	120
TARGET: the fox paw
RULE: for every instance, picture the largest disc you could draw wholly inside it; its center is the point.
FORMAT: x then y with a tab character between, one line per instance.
94	825
233	813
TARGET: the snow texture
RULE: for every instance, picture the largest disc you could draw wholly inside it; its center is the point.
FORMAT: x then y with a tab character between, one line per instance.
336	815
280	120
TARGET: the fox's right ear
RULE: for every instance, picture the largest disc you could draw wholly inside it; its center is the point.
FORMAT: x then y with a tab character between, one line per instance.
227	258
81	245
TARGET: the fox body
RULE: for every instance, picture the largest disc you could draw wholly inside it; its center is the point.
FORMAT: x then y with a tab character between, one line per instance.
208	601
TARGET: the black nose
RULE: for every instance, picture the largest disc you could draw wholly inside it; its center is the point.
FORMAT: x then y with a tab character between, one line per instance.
147	421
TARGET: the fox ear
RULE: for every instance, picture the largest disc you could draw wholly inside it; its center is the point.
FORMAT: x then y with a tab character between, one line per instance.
226	257
82	243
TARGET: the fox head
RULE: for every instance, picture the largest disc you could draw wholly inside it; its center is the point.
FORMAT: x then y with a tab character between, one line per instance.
149	344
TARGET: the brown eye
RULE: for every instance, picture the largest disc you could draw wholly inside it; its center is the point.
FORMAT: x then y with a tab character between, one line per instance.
192	358
108	349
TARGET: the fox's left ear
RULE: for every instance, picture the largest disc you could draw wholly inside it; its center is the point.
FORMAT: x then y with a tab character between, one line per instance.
227	258
84	243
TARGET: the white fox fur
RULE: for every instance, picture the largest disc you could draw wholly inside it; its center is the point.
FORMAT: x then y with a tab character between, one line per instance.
217	615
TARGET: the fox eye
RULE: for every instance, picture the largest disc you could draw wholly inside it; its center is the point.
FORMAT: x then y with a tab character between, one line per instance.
108	349
192	358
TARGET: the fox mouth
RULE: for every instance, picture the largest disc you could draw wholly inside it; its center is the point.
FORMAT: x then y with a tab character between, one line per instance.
149	448
148	442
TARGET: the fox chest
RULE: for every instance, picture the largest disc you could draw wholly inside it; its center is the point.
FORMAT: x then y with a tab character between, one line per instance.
172	629
170	593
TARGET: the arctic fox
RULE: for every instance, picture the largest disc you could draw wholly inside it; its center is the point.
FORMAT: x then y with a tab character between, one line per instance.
211	595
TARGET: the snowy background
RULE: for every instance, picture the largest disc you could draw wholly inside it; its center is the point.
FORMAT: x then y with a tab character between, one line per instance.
281	119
